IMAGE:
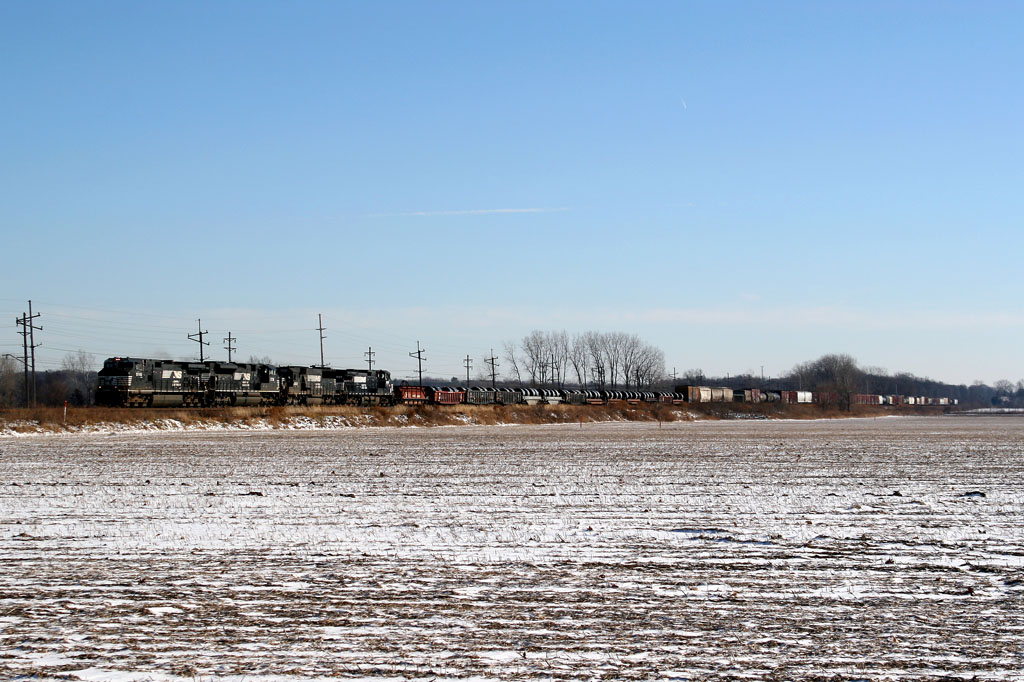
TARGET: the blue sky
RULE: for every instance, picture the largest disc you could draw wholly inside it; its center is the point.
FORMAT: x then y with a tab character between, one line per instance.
742	184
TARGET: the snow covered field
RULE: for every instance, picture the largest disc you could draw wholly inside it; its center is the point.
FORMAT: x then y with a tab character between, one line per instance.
849	549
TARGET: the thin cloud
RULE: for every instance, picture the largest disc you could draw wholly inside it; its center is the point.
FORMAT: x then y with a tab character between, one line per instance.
526	317
824	316
472	211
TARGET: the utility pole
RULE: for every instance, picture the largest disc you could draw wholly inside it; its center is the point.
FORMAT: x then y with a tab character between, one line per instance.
23	321
369	357
468	363
492	361
229	347
32	346
419	357
199	339
674	378
320	328
29	345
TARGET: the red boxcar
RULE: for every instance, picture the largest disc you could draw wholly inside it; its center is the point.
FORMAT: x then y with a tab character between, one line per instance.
411	395
448	396
826	398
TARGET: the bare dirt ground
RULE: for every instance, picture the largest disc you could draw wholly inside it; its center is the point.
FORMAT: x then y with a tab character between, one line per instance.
851	549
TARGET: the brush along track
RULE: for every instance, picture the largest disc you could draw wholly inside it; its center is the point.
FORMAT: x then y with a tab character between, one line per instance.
15	422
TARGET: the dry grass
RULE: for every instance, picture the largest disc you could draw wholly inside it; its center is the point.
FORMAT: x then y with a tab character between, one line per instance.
53	418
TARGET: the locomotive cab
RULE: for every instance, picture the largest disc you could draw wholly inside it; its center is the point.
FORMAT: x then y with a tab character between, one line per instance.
113	381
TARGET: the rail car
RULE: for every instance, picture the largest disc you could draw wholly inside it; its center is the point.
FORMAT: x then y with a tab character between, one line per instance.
475	395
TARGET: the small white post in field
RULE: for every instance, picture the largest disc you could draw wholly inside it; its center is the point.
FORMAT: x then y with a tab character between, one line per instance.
65	412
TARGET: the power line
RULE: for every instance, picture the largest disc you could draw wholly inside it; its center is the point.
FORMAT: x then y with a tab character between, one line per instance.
130	324
130	313
105	323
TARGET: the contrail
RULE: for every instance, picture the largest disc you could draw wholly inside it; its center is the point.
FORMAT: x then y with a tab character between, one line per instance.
473	211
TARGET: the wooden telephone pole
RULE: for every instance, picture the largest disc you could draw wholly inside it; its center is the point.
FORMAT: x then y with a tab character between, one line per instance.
29	344
419	357
320	328
198	337
229	348
493	362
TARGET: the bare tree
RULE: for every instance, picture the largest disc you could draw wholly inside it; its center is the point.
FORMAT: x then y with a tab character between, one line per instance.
578	358
559	347
77	362
693	377
630	350
77	384
535	356
595	353
649	368
513	361
837	373
607	358
10	381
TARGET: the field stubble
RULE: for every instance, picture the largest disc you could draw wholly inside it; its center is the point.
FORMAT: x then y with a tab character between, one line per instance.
709	550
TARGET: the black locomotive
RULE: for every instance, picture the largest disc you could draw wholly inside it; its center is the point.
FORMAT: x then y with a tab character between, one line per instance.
142	382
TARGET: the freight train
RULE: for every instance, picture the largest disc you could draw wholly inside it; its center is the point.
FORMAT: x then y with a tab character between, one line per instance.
142	382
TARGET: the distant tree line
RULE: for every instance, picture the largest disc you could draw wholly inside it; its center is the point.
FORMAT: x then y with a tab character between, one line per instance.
75	382
840	374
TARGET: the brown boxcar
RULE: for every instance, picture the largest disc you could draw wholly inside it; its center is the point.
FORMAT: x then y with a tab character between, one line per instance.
411	395
448	396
